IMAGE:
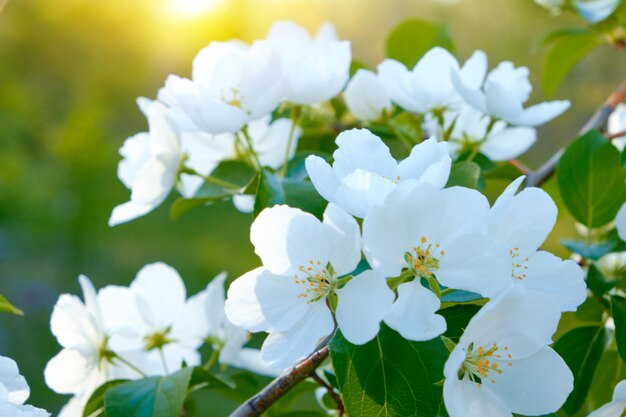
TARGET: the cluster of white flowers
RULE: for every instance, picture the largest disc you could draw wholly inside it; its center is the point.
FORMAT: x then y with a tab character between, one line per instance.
14	392
418	238
146	329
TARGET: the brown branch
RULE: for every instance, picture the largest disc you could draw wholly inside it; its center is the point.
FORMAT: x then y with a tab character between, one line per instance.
331	392
597	121
616	135
281	385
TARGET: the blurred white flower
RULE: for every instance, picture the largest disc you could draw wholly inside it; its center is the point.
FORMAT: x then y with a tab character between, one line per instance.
595	11
616	407
231	85
428	85
152	162
617	125
503	95
551	4
364	172
316	69
612	265
150	316
366	96
14	392
503	364
522	222
432	233
303	260
270	139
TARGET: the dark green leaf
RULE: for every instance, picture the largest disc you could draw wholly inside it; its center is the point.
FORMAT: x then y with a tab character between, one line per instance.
149	397
591	179
389	376
591	310
597	283
611	370
296	168
623	159
95	404
410	40
203	379
275	190
460	296
582	349
7	307
182	205
234	172
564	53
618	311
464	174
457	318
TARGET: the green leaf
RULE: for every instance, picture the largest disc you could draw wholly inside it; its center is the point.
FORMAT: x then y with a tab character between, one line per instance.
407	127
95	404
564	53
623	159
389	376
149	397
582	349
182	206
591	179
464	174
7	307
410	40
618	311
203	379
593	251
295	193
597	283
457	317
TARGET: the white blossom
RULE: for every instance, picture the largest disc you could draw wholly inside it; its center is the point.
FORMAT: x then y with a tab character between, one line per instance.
231	85
522	222
364	172
616	407
428	85
503	364
433	234
617	125
503	95
14	392
315	69
595	11
303	262
366	96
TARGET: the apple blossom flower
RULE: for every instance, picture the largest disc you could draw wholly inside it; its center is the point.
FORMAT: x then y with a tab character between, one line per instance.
14	392
620	222
210	325
316	69
153	160
617	125
616	407
612	265
431	233
86	360
151	316
231	84
499	142
364	172
303	262
595	11
366	96
503	364
522	222
428	86
503	95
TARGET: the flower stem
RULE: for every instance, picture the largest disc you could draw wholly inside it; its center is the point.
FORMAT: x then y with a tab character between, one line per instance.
212	360
295	116
248	140
130	365
331	392
162	355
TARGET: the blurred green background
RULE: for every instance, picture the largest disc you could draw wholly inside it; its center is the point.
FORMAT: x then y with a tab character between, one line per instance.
70	71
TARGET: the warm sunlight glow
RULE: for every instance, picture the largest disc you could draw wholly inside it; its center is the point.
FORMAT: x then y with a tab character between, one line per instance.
191	8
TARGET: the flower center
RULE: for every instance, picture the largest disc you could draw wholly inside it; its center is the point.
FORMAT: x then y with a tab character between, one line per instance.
484	363
318	281
235	99
104	354
157	340
519	266
424	259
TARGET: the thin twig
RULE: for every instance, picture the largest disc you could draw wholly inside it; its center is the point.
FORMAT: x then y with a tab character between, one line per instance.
597	121
281	385
331	392
616	135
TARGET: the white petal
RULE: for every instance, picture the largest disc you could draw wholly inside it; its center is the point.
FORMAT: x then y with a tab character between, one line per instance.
345	244
322	176
122	318
596	10
466	399
474	70
72	324
612	409
563	280
362	190
250	359
362	304
428	161
396	79
366	96
136	152
508	143
15	410
539	113
536	385
413	313
472	95
244	203
501	101
129	211
359	148
262	301
74	407
620	222
271	145
155	180
215	299
619	394
69	372
282	350
15	384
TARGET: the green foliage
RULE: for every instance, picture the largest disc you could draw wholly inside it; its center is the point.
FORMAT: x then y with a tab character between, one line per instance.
274	190
591	179
582	348
7	307
407	127
389	376
413	38
618	311
95	404
594	251
149	397
464	174
597	283
568	47
457	317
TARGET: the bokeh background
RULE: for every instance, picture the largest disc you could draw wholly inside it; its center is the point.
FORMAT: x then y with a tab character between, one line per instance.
70	71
